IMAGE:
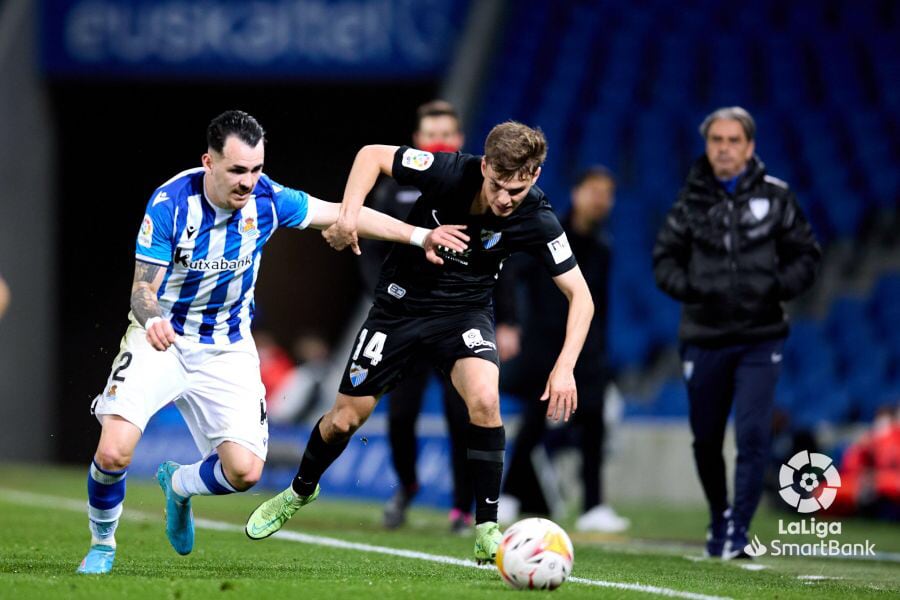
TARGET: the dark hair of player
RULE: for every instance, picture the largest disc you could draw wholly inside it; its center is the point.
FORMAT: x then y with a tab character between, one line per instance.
436	108
233	122
515	150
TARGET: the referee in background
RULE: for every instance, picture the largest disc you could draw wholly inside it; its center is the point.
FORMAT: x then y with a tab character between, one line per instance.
734	246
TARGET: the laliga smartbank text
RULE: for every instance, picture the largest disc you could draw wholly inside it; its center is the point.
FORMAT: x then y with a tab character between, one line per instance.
823	547
820	529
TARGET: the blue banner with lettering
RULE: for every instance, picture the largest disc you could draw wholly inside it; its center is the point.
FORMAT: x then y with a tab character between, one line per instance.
295	39
364	470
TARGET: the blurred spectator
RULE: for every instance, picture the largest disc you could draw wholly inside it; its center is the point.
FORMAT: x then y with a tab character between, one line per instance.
437	130
4	296
544	326
733	247
296	393
275	365
870	471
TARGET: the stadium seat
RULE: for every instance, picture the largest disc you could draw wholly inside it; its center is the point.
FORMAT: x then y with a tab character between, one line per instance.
652	80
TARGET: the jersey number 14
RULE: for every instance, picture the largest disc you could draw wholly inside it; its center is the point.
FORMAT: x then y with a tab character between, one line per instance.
374	348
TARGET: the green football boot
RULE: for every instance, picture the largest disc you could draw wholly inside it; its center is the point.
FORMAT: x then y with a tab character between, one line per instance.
272	514
487	539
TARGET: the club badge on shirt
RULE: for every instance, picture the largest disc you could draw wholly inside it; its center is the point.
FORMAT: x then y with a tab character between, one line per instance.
759	207
357	374
248	228
489	238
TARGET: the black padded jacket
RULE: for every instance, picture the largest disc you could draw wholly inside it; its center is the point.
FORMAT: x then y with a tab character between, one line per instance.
732	259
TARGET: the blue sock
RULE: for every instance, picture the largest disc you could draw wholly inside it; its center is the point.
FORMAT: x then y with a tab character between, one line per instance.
204	478
106	493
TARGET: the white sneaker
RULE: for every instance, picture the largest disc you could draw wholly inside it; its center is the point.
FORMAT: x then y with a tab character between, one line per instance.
508	510
602	518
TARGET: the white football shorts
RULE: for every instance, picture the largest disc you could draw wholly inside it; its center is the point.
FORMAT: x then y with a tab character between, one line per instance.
216	388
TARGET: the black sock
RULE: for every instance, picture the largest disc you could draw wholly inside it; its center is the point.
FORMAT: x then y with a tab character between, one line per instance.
317	457
402	437
485	455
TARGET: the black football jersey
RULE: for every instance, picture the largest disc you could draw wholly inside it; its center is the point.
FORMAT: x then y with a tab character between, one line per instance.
450	182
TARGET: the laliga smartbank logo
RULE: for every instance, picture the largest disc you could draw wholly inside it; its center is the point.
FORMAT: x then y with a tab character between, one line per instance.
809	482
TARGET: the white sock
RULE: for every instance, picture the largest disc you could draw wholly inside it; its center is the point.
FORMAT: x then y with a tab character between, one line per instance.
103	524
186	481
204	478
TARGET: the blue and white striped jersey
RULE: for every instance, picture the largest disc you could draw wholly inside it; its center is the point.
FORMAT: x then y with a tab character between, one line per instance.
212	255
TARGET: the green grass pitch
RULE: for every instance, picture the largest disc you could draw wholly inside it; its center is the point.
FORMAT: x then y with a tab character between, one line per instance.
44	536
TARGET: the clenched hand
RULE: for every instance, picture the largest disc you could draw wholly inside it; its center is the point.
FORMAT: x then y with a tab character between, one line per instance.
449	236
342	234
160	333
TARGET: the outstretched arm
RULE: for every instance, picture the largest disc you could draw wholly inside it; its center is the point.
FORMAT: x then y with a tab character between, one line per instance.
145	305
369	163
560	391
374	225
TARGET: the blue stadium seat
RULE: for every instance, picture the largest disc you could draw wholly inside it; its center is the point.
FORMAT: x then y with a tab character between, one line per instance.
821	81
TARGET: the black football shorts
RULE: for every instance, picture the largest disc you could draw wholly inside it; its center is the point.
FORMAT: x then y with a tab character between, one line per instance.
388	345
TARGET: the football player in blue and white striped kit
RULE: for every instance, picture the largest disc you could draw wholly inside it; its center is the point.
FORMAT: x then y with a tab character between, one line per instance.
197	257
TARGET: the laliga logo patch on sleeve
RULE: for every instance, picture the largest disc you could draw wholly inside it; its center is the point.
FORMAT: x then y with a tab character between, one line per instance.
145	237
560	248
418	160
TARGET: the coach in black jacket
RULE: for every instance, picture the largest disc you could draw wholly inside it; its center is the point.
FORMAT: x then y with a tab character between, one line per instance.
734	246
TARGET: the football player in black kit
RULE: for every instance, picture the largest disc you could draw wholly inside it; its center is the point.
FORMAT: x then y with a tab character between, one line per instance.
437	130
445	312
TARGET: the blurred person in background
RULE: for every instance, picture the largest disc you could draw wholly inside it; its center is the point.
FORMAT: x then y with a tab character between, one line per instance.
870	471
734	246
275	367
4	296
529	304
438	129
293	379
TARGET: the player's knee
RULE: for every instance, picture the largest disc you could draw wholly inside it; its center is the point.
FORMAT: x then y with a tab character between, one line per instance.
344	422
484	405
110	457
244	482
243	475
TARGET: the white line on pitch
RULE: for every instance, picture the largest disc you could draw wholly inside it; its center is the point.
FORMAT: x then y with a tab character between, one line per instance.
31	499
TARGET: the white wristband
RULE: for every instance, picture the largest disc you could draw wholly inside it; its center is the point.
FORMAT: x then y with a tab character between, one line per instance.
418	236
151	321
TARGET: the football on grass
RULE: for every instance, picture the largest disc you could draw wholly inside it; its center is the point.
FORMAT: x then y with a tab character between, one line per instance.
535	554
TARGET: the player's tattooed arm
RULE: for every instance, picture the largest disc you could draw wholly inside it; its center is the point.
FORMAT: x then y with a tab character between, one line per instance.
144	304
